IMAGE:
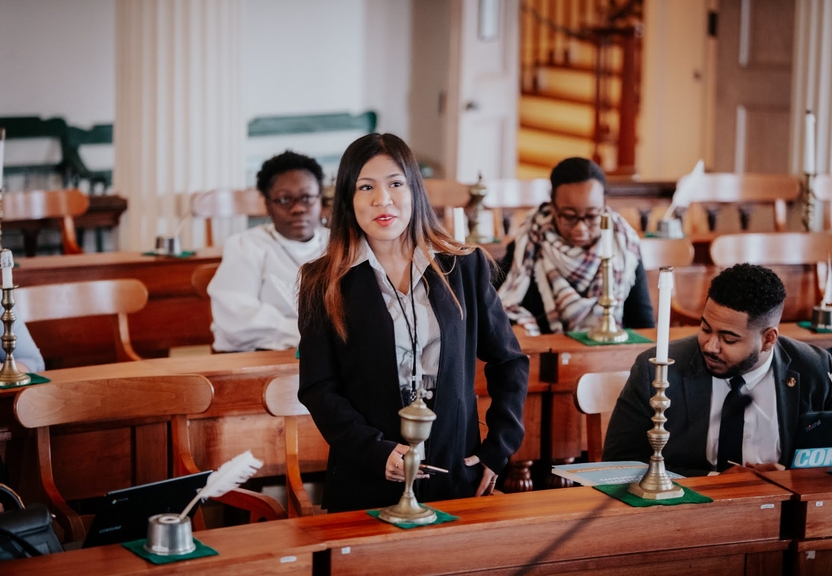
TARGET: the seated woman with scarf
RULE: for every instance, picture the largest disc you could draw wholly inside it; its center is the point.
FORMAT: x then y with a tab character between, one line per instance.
552	279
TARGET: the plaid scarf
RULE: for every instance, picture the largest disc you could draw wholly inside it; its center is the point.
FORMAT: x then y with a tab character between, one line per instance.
568	277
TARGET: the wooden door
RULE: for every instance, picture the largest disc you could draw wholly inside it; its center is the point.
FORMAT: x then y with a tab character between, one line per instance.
483	89
753	86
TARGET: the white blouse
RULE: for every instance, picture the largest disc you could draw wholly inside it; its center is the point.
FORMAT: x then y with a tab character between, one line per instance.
400	306
254	291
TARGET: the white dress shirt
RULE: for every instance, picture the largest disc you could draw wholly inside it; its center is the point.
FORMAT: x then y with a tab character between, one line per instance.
254	291
399	306
760	433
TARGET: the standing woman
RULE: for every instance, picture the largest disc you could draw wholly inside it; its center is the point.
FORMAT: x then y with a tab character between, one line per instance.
395	304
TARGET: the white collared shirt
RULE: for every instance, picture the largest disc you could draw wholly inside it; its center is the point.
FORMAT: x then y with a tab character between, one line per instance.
399	306
254	291
760	433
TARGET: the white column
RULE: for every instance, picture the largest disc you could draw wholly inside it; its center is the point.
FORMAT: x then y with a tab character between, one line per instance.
812	81
179	125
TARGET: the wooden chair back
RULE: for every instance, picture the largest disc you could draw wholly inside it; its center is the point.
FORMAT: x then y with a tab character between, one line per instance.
511	199
201	277
118	298
660	252
108	404
280	398
444	196
796	257
595	396
63	205
224	203
745	190
790	248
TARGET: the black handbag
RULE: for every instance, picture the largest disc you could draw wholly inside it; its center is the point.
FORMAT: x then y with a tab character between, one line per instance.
25	531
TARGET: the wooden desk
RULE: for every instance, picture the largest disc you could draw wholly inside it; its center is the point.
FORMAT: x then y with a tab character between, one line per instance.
809	519
238	381
562	360
579	530
271	548
174	315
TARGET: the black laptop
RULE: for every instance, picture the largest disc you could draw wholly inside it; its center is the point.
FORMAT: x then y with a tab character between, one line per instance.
813	443
122	515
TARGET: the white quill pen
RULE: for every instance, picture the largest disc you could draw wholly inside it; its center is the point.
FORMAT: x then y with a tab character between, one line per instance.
685	189
229	476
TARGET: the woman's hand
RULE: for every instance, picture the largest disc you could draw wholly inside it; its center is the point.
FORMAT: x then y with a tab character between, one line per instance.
394	470
489	478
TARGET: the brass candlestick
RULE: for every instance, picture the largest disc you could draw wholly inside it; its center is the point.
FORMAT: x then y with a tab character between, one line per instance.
10	374
608	331
809	202
417	420
656	484
475	234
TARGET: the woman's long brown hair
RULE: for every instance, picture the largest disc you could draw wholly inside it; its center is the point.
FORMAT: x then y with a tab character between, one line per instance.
320	280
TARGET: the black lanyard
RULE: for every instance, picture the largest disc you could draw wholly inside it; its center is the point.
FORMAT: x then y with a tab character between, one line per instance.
411	331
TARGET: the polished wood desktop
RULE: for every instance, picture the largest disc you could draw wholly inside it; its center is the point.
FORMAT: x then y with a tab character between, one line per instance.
579	530
270	548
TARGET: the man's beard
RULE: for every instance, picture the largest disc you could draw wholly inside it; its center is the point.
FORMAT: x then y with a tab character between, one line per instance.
737	369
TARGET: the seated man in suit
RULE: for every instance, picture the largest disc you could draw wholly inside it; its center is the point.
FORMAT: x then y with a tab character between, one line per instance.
736	388
552	270
254	291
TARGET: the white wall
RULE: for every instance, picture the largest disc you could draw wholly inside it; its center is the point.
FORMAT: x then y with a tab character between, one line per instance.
57	58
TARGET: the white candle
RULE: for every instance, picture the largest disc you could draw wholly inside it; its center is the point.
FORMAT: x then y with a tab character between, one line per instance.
605	248
6	265
663	324
2	145
809	148
827	290
459	224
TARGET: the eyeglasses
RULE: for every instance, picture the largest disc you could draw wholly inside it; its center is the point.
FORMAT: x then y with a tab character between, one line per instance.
290	201
570	219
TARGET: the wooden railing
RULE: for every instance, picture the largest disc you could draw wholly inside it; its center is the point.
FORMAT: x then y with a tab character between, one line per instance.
589	36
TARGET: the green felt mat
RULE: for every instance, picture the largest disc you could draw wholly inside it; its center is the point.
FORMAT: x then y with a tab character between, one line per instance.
620	492
808	325
137	548
632	338
35	379
183	254
441	517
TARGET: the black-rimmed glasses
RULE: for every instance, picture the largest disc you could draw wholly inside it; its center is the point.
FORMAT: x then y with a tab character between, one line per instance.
571	219
288	202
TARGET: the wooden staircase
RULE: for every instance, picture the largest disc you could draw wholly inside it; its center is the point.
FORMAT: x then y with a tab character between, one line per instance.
580	77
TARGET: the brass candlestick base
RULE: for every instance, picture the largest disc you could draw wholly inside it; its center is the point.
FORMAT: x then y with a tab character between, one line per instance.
10	374
809	202
417	420
656	484
608	331
475	233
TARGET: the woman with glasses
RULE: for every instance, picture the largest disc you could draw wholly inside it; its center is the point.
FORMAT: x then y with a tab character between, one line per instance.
552	270
254	291
394	306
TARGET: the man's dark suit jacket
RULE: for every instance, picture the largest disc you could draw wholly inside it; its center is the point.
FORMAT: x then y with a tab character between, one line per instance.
352	388
690	403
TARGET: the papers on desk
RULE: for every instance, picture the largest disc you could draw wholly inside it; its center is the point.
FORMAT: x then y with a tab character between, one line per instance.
597	473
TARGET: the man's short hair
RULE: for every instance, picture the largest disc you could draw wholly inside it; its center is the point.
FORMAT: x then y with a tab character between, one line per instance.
752	289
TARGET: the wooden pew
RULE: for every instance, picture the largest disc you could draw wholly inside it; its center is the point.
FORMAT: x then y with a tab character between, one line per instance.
576	531
174	316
